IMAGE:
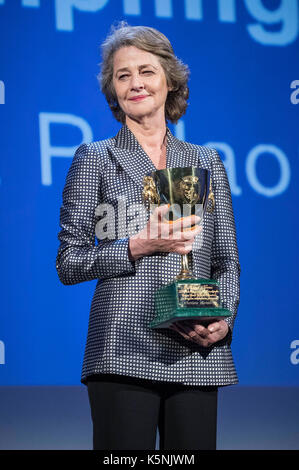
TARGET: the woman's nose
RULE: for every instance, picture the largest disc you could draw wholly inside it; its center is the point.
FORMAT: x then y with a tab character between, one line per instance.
136	82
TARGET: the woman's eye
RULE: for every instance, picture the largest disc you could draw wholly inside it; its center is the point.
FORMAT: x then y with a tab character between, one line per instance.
124	76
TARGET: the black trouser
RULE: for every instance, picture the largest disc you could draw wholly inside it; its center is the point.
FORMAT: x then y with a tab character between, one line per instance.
127	410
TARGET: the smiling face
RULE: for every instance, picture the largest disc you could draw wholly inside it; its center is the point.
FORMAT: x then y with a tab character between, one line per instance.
140	83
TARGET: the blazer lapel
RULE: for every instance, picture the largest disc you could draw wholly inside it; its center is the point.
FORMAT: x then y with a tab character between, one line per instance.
178	155
131	155
135	161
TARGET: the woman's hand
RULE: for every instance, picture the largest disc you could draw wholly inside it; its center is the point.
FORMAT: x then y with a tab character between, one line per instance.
165	236
205	336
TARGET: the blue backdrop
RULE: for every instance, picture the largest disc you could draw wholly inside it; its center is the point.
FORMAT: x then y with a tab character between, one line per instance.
244	101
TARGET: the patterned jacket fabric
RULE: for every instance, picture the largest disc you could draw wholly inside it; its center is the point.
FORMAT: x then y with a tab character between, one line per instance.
119	340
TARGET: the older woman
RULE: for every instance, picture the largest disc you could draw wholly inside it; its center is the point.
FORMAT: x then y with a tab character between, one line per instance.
140	378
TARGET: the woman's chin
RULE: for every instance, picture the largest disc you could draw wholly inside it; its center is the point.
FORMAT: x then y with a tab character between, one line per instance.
142	114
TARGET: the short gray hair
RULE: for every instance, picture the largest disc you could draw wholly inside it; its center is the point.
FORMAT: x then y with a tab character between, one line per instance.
153	41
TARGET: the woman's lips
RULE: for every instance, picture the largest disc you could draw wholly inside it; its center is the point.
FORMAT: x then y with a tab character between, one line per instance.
138	98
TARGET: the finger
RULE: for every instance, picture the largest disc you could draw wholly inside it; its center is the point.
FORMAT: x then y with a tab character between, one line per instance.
206	343
182	250
217	336
182	328
182	241
201	330
213	338
201	341
154	230
181	332
160	212
195	230
185	222
215	326
220	326
196	339
187	328
188	234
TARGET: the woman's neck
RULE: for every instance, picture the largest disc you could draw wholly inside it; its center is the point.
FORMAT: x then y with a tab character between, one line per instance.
150	135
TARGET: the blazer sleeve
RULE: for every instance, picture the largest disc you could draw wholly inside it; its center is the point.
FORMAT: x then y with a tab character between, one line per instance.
225	266
79	259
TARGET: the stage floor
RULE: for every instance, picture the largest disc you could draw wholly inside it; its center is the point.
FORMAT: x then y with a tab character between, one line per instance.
58	417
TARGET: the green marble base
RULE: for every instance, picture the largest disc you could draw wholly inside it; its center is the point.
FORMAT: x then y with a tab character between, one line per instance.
188	299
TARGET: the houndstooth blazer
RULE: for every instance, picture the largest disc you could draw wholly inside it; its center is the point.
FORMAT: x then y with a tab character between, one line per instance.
119	340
